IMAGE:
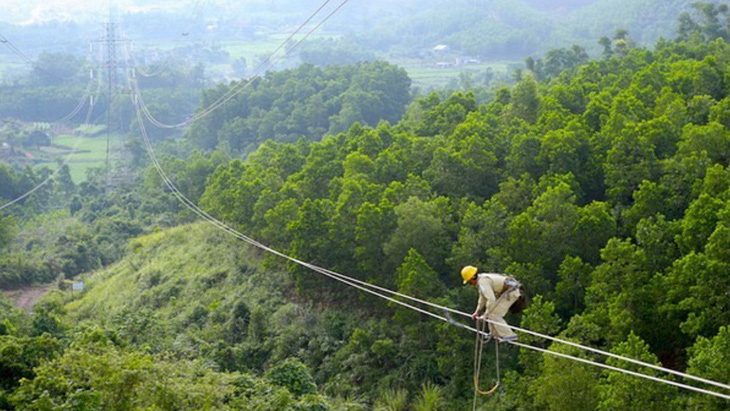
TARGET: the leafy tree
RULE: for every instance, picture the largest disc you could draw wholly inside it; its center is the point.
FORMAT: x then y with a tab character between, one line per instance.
106	377
373	228
544	233
304	102
710	26
607	45
619	297
293	375
443	117
629	162
699	222
57	68
657	236
6	231
709	359
414	277
465	168
712	138
20	355
482	236
574	277
567	385
621	391
525	101
422	226
698	273
312	242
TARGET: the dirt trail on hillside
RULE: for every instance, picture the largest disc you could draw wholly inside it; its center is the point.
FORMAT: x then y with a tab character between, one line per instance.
25	298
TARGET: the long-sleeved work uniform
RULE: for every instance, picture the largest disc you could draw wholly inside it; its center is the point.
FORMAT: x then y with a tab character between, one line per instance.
497	293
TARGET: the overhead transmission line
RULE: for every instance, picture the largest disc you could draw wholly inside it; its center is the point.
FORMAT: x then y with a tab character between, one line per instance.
194	14
16	50
266	63
374	289
138	67
74	148
82	100
79	105
143	73
28	60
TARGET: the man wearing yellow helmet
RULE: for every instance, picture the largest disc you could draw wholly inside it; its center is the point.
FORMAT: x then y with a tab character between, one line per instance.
498	293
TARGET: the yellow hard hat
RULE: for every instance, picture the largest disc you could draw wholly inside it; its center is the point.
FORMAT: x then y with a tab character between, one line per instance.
468	272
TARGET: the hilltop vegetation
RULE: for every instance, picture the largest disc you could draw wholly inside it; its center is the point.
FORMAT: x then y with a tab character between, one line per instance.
303	102
502	29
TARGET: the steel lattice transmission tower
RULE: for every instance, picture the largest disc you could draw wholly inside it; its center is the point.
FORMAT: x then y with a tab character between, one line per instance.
112	66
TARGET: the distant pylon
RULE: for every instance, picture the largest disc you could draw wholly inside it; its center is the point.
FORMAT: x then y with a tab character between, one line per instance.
112	66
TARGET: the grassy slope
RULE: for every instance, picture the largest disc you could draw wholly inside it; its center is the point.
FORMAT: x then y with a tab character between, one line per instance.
190	278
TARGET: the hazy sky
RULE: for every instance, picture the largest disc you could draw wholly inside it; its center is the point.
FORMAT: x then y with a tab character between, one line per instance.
35	11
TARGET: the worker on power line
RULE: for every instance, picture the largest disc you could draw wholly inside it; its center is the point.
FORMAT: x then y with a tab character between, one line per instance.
498	293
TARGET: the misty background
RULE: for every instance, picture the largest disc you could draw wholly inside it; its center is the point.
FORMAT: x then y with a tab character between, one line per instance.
485	30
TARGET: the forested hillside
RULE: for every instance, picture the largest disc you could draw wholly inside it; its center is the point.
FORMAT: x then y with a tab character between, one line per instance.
303	102
180	323
603	188
508	29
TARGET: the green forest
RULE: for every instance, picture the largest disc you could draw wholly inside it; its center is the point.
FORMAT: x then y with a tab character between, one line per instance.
603	185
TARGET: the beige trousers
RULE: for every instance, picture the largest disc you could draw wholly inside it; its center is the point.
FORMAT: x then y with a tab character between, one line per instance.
498	327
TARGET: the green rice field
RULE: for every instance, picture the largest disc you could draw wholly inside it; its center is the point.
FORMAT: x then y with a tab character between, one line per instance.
427	77
90	152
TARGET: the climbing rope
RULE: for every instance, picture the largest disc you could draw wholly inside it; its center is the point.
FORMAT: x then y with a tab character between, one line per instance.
481	337
477	361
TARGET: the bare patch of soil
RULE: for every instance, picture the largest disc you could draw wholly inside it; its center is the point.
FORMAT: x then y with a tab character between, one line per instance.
25	298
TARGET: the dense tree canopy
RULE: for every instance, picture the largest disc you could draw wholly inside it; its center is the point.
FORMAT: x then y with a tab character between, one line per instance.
304	102
603	189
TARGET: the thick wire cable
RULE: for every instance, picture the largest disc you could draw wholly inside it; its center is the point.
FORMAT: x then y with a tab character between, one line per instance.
194	13
138	68
347	280
621	370
79	105
266	63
